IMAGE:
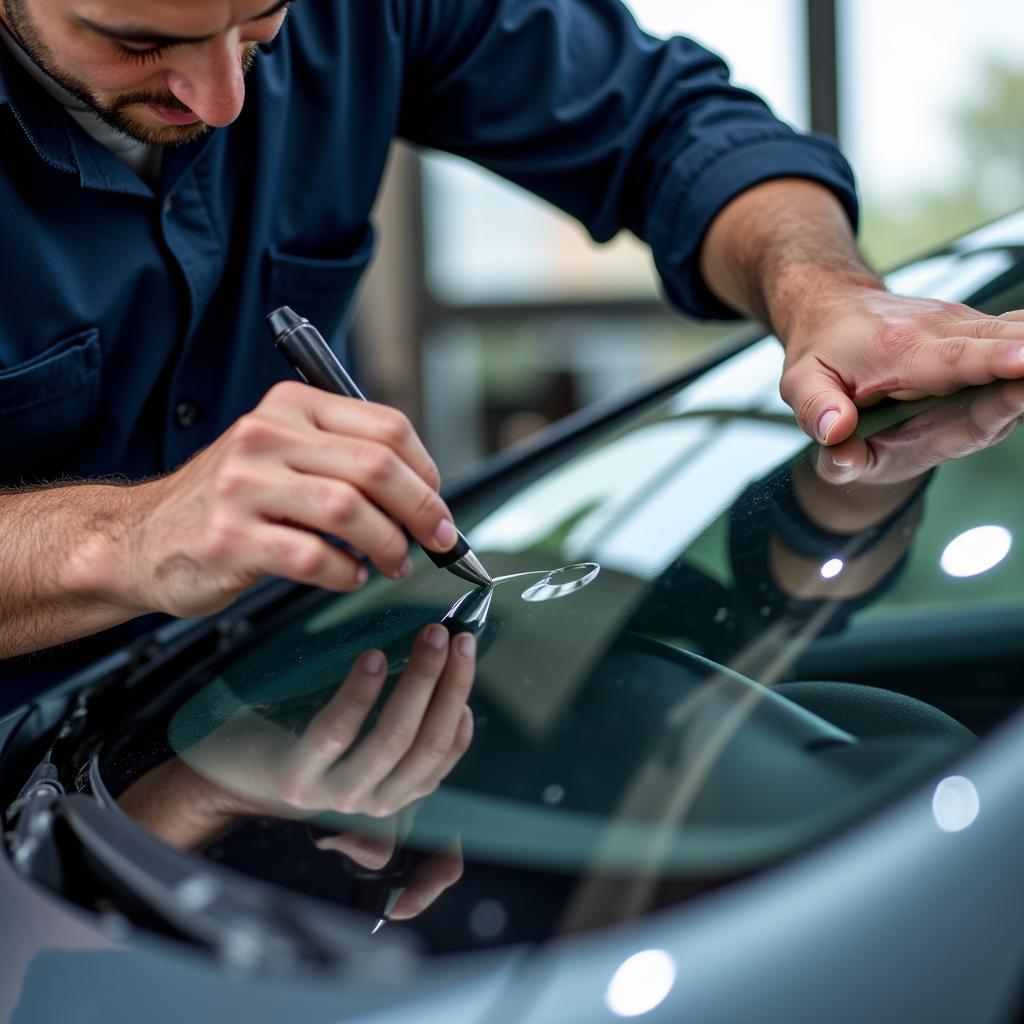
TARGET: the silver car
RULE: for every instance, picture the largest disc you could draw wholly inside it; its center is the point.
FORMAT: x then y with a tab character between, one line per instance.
746	744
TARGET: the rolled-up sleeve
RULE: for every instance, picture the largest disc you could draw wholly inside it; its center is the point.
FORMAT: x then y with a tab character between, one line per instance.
573	101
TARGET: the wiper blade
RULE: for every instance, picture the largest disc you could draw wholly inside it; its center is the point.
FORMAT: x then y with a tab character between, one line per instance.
250	925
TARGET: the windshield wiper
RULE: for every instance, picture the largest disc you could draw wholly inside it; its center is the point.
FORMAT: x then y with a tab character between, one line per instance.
251	926
56	837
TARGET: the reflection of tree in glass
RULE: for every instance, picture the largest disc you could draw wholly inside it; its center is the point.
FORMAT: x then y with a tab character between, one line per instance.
990	180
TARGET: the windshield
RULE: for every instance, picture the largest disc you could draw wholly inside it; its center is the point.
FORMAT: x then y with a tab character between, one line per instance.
709	647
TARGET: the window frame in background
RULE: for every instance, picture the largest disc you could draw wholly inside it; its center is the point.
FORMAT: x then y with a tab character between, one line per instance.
400	372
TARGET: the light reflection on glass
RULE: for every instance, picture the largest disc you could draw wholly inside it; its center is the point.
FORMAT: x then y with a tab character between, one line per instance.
487	919
641	983
955	803
976	551
832	568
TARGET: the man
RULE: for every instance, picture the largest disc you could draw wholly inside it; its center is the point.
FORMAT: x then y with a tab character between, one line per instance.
216	158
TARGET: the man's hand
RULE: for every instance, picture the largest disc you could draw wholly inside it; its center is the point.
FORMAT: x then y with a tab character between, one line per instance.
426	881
864	344
951	429
783	252
254	503
253	766
260	500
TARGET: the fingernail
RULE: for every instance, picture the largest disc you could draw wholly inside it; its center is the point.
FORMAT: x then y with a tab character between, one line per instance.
404	569
826	423
362	575
465	643
437	637
374	663
444	535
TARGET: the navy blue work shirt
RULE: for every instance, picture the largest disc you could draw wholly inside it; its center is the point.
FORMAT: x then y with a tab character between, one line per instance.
131	317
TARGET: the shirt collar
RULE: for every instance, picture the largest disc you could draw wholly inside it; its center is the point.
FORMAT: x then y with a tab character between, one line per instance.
64	145
44	118
41	118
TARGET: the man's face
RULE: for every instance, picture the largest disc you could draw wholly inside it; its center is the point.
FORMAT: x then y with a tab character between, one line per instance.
161	71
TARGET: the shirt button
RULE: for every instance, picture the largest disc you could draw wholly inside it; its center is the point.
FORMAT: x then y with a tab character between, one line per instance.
186	414
170	200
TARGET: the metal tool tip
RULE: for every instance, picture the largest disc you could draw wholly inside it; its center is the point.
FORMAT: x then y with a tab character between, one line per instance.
470	568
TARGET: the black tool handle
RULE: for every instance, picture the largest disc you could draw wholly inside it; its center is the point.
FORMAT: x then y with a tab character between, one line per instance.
311	358
309	355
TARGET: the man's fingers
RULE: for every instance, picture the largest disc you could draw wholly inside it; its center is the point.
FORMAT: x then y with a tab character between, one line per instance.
348	487
294	554
377	472
941	367
953	428
823	408
463	740
349	417
1004	402
334	728
437	735
989	328
428	880
368	850
396	729
845	462
989	419
336	508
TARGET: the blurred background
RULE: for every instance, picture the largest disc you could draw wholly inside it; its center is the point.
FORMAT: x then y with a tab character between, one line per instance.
488	314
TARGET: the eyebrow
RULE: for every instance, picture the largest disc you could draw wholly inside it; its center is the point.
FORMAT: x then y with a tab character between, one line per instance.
143	35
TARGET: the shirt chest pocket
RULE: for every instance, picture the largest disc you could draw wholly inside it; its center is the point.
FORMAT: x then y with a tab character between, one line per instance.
47	408
322	290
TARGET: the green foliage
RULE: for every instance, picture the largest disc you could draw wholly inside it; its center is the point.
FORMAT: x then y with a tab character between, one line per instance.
990	135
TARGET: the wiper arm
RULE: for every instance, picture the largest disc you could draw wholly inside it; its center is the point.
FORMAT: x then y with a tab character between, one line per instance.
251	925
28	820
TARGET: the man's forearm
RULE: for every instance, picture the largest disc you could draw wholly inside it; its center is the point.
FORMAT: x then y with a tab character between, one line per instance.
777	245
783	252
58	565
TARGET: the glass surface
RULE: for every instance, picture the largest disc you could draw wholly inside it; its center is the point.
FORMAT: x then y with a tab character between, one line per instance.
487	386
488	241
705	653
931	93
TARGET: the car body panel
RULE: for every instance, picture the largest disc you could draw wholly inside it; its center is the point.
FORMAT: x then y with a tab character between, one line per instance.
891	910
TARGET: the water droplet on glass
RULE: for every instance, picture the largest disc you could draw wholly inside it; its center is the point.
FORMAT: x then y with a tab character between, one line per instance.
721	615
195	893
487	919
553	794
765	611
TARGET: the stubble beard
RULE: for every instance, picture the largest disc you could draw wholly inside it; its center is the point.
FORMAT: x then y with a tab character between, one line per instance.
113	114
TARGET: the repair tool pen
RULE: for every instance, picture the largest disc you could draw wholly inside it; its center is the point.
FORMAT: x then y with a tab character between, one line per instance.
312	359
379	890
